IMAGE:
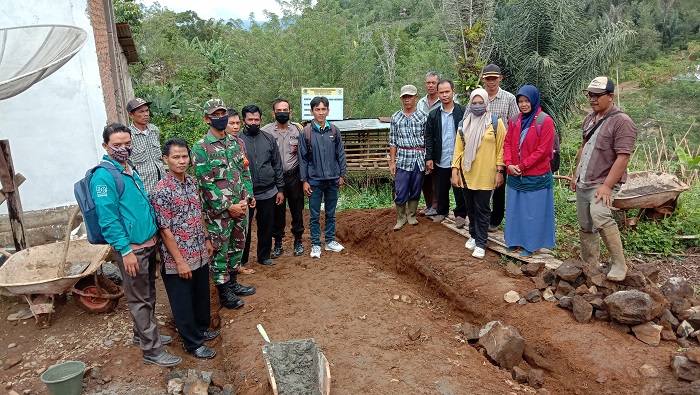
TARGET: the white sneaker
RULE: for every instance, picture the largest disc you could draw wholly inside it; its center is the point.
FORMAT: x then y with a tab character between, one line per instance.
334	246
470	244
478	253
315	251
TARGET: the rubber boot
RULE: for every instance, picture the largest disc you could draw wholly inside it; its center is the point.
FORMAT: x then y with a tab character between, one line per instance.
590	247
227	298
400	216
611	238
412	206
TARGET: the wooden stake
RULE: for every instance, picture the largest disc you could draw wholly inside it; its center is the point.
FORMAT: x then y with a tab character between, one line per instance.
9	189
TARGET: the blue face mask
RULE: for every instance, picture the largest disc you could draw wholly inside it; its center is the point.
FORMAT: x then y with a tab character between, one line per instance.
219	123
477	109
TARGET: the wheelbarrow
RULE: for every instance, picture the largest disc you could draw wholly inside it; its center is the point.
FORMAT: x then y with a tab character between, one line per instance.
40	273
653	193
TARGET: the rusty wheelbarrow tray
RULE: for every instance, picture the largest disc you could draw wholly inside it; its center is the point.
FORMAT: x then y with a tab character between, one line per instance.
652	192
648	189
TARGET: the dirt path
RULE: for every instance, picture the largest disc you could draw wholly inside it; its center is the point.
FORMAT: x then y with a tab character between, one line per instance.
346	302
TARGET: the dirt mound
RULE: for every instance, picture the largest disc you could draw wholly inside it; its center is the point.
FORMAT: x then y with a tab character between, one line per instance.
593	358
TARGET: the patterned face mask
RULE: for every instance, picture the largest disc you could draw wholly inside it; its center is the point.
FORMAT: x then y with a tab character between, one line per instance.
120	154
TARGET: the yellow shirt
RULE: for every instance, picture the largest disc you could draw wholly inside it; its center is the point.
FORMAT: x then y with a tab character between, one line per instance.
482	175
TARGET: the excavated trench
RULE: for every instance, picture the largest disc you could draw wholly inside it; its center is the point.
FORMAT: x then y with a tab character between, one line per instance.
594	358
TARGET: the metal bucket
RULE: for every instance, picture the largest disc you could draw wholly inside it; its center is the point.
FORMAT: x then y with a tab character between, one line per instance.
66	378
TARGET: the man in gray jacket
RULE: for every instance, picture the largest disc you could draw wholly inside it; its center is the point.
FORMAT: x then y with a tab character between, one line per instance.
268	181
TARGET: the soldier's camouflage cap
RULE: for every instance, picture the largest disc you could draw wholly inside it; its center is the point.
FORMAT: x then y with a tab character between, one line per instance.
213	105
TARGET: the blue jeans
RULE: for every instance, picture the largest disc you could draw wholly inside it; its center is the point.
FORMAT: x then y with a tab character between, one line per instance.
328	191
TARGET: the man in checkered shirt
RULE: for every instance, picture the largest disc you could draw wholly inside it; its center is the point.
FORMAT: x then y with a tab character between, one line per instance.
147	154
503	104
407	156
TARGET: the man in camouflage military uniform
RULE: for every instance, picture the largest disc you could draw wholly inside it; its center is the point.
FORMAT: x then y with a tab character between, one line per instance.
225	185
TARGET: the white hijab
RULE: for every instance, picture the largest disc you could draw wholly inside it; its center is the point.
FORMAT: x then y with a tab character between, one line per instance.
474	128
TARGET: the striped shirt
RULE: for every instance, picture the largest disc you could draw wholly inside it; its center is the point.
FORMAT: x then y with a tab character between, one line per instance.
147	156
406	133
504	105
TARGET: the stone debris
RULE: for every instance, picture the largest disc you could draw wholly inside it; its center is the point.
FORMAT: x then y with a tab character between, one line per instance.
415	333
648	333
469	331
511	297
563	289
648	371
193	382
535	378
534	296
519	375
684	329
583	311
685	369
629	307
503	344
532	269
565	302
548	295
513	270
569	270
693	354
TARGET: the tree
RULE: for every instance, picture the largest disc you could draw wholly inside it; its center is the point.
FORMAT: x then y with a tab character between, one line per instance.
553	51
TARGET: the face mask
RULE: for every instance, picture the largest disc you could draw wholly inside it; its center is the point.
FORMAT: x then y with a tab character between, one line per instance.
219	123
253	129
120	154
282	117
477	109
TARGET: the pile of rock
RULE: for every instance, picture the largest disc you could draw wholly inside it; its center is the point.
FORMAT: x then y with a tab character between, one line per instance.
196	383
637	304
504	346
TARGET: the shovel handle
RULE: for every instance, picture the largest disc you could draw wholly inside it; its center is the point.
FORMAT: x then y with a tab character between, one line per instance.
263	333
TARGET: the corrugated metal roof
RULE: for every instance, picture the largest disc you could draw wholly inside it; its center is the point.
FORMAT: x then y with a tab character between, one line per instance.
126	41
349	125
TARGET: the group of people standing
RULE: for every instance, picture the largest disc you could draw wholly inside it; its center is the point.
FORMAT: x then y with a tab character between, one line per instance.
199	224
496	152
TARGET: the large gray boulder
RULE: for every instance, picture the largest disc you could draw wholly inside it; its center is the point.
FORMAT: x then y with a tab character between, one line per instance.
630	307
503	344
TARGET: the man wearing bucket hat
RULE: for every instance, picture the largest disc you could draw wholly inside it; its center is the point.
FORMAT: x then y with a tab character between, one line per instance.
225	185
146	156
608	141
407	156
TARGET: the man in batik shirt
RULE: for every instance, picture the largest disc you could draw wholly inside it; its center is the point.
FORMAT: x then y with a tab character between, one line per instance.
185	249
225	186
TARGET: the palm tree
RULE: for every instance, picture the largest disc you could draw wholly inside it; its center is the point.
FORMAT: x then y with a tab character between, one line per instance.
547	43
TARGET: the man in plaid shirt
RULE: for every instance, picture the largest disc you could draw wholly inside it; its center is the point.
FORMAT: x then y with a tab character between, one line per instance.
407	156
503	104
146	156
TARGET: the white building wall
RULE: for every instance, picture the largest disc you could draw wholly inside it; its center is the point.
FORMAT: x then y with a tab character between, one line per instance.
55	126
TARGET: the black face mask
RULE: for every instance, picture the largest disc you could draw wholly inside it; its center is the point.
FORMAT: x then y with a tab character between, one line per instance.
282	117
253	129
219	123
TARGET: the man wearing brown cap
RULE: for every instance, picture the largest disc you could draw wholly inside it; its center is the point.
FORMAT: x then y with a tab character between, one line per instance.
146	156
503	104
608	142
407	156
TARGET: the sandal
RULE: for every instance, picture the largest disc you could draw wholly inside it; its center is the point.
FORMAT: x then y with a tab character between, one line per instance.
423	211
20	315
512	249
245	270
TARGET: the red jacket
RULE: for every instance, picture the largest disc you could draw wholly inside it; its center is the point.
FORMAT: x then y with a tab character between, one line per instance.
536	151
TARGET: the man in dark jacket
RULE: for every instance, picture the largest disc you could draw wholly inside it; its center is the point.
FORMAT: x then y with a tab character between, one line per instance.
440	135
268	181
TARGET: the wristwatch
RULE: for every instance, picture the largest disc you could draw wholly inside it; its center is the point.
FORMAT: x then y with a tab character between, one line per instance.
502	171
207	237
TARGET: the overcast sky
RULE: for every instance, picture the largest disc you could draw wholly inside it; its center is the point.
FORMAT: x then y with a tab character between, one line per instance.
236	9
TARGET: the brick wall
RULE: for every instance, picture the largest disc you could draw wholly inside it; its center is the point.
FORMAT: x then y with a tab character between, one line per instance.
96	12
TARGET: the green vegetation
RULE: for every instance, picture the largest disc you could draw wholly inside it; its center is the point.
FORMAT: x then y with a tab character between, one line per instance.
372	48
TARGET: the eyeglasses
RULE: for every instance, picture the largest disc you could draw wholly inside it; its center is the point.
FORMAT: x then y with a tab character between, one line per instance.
595	96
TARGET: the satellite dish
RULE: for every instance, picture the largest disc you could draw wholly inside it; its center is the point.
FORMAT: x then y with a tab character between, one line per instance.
29	54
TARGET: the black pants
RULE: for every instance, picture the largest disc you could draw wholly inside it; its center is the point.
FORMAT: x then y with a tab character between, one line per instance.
442	189
499	203
263	212
189	301
294	195
479	214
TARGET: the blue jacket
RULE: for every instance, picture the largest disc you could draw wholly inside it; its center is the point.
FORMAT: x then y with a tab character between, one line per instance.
133	207
327	159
